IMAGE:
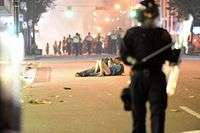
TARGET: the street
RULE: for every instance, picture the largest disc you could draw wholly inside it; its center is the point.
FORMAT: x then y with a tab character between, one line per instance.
44	43
59	102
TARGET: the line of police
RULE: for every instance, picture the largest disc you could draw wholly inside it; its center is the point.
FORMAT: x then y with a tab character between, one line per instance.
90	45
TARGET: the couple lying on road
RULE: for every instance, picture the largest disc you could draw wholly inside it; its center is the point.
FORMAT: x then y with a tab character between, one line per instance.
104	67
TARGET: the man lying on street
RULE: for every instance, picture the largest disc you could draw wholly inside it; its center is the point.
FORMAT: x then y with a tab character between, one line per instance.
104	67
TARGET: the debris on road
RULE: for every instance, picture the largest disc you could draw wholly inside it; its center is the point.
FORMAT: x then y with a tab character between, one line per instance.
35	101
67	88
61	101
175	110
191	96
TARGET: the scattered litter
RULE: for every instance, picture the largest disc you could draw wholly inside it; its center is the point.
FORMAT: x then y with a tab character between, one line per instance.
61	101
67	88
174	110
191	96
33	101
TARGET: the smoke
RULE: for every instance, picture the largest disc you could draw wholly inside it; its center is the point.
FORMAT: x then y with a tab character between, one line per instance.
11	57
54	25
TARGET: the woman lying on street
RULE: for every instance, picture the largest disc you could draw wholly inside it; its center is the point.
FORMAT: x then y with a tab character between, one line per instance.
104	67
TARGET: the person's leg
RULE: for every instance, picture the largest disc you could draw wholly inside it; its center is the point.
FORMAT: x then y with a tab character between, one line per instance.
63	50
158	102
115	47
138	101
111	47
79	48
97	66
73	49
76	47
104	69
89	48
69	49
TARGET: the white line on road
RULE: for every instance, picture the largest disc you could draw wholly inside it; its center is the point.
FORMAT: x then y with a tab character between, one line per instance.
190	111
194	131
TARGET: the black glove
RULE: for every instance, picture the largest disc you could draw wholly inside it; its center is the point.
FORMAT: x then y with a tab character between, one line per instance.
175	56
138	66
126	99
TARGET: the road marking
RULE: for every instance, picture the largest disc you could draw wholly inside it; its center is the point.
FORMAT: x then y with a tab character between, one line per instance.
194	131
190	111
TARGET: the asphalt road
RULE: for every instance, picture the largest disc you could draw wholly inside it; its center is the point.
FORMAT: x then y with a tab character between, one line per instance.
92	105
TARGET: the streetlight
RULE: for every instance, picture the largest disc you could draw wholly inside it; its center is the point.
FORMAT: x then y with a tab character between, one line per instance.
107	19
117	6
99	29
94	13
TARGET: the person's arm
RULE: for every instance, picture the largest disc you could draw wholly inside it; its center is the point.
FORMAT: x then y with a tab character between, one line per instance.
125	50
172	55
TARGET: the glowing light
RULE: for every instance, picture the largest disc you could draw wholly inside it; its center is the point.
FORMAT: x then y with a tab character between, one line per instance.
133	14
94	19
99	29
117	18
123	12
109	33
107	19
12	52
94	13
117	6
69	13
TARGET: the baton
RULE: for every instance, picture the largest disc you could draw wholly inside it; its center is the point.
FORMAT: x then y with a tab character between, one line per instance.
157	52
145	59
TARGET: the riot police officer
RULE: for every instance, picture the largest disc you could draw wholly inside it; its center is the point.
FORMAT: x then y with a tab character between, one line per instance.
148	82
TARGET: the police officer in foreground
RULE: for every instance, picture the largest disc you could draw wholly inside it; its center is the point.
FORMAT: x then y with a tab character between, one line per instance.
148	82
10	83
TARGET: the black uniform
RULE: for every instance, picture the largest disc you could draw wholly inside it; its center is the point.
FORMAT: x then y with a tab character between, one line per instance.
149	83
9	114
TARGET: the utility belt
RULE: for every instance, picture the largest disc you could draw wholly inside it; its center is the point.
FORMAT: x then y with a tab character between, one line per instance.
143	68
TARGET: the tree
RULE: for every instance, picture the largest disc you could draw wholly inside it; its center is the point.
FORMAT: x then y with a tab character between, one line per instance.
32	13
35	8
177	9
